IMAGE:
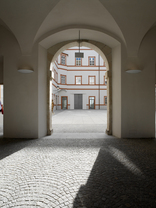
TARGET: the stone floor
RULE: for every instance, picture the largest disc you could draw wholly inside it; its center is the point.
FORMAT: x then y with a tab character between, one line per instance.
82	172
79	124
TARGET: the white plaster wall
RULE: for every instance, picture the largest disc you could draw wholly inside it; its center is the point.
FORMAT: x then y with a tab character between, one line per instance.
20	90
139	93
139	103
42	92
116	91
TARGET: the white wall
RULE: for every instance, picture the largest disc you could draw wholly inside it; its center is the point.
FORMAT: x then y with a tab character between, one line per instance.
138	92
116	91
42	92
20	90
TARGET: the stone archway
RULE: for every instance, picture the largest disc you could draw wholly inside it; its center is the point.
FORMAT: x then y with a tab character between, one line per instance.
104	51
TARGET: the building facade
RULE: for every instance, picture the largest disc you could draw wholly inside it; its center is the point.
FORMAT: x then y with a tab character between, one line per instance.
79	83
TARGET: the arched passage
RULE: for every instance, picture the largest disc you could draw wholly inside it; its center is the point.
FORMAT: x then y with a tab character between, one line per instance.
105	53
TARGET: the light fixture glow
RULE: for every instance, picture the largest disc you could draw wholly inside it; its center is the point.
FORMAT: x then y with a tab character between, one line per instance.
25	70
133	71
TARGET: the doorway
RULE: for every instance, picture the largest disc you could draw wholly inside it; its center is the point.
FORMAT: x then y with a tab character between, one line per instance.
92	81
91	102
77	101
64	102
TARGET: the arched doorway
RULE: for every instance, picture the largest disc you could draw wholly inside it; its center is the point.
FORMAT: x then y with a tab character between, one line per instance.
106	58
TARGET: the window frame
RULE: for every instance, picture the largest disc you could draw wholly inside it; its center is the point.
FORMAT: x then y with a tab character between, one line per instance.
89	79
63	55
80	62
62	75
89	101
104	100
89	57
62	102
105	80
76	77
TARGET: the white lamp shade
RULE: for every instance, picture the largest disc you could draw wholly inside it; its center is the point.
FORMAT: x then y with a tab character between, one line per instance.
133	71
25	70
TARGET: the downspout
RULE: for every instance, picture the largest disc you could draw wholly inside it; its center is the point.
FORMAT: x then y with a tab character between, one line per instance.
99	79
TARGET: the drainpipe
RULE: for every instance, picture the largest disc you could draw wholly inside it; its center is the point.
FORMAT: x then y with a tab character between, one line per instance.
99	79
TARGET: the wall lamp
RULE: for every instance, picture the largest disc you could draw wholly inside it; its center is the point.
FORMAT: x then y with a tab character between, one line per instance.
133	71
25	70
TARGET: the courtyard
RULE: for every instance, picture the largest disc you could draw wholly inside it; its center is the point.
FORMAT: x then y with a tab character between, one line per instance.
79	123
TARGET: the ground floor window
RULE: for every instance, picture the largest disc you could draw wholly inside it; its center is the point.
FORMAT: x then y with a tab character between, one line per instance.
64	102
91	102
105	100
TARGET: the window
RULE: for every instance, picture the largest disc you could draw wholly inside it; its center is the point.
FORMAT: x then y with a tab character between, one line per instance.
91	102
63	79
56	77
105	81
105	100
78	80
63	60
91	61
78	61
92	80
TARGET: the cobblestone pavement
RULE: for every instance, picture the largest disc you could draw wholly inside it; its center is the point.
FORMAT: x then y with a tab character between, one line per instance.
78	173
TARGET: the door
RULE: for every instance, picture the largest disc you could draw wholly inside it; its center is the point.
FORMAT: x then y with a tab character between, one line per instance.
77	101
64	102
91	102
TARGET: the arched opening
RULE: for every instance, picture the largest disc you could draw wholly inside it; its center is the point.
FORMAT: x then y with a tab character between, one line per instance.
107	61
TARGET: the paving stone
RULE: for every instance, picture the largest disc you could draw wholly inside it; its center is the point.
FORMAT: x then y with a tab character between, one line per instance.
78	173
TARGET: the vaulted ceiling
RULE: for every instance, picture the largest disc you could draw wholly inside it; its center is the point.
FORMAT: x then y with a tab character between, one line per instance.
53	21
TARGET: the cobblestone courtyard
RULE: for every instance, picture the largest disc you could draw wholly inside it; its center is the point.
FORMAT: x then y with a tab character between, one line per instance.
79	171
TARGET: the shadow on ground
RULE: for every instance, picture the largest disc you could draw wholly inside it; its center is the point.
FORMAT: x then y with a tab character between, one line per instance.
124	175
10	146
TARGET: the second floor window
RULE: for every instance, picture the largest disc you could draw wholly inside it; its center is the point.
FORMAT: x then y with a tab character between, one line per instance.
63	60
78	80
91	61
78	61
63	79
91	80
